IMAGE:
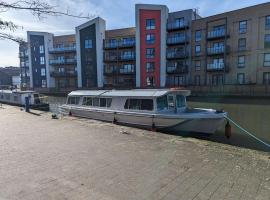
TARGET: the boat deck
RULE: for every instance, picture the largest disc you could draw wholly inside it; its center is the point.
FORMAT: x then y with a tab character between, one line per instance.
71	158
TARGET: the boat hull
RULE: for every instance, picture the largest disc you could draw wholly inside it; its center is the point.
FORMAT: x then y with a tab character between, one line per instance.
175	123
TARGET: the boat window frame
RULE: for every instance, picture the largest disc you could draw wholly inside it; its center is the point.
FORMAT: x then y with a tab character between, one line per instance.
108	101
184	102
76	97
127	104
164	97
87	97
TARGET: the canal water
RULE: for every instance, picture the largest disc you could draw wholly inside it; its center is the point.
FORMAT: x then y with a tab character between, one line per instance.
252	114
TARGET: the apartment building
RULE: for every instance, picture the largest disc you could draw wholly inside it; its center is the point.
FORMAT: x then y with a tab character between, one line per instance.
24	65
232	48
119	58
164	49
63	62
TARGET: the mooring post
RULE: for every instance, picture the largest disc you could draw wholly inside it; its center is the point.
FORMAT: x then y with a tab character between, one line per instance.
27	104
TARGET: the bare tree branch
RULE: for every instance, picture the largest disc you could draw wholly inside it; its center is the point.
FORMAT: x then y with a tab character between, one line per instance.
4	36
38	8
4	25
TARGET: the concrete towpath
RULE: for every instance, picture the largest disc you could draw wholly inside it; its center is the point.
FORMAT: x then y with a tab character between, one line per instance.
70	158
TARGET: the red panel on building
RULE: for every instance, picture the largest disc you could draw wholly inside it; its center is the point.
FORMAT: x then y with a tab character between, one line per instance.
144	15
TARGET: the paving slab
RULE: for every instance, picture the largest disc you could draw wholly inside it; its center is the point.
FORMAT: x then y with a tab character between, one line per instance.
72	158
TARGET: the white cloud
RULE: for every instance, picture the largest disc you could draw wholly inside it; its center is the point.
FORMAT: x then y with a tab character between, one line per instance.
117	13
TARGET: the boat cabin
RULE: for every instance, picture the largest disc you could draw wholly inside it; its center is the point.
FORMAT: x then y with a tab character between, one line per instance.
148	100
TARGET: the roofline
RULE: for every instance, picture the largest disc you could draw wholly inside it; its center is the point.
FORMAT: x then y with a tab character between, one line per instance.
236	10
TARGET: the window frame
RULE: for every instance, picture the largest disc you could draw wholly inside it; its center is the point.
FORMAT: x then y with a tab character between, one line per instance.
150	38
150	67
267	22
148	51
243	27
198	39
138	104
150	24
241	64
88	43
242	48
266	43
198	67
198	52
266	62
243	78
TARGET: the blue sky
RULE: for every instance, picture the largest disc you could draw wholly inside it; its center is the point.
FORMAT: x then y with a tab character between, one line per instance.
117	13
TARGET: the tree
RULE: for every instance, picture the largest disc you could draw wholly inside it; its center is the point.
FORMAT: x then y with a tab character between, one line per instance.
38	8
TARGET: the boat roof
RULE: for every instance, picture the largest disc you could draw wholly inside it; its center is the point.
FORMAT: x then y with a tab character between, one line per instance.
129	93
17	91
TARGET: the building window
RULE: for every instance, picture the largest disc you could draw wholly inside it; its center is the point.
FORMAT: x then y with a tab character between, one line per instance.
127	68
150	81
150	38
150	53
267	22
43	83
267	41
267	60
88	44
241	78
150	24
242	44
198	36
180	22
217	80
197	65
41	49
197	80
242	27
42	60
266	78
43	72
150	67
198	49
241	61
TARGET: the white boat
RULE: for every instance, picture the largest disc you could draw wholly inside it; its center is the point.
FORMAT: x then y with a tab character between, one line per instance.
156	109
17	97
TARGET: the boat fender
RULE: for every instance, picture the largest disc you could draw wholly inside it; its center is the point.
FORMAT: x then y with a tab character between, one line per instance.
228	130
153	128
114	119
70	113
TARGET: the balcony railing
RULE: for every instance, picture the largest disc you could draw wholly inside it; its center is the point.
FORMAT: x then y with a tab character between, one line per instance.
177	40
216	34
177	26
110	45
63	74
108	57
62	49
216	50
127	57
125	44
127	71
64	61
177	69
176	54
215	67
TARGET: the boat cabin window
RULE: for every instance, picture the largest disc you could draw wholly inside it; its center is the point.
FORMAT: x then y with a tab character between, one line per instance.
15	98
180	101
139	104
162	103
73	100
36	99
98	102
7	97
2	96
87	101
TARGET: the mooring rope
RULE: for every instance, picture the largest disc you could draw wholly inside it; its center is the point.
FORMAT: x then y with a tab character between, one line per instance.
247	132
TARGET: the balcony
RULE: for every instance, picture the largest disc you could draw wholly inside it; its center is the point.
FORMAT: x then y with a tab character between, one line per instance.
110	57
217	50
215	67
110	45
177	40
63	49
176	54
217	34
127	57
64	74
177	69
67	61
124	71
173	26
127	44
